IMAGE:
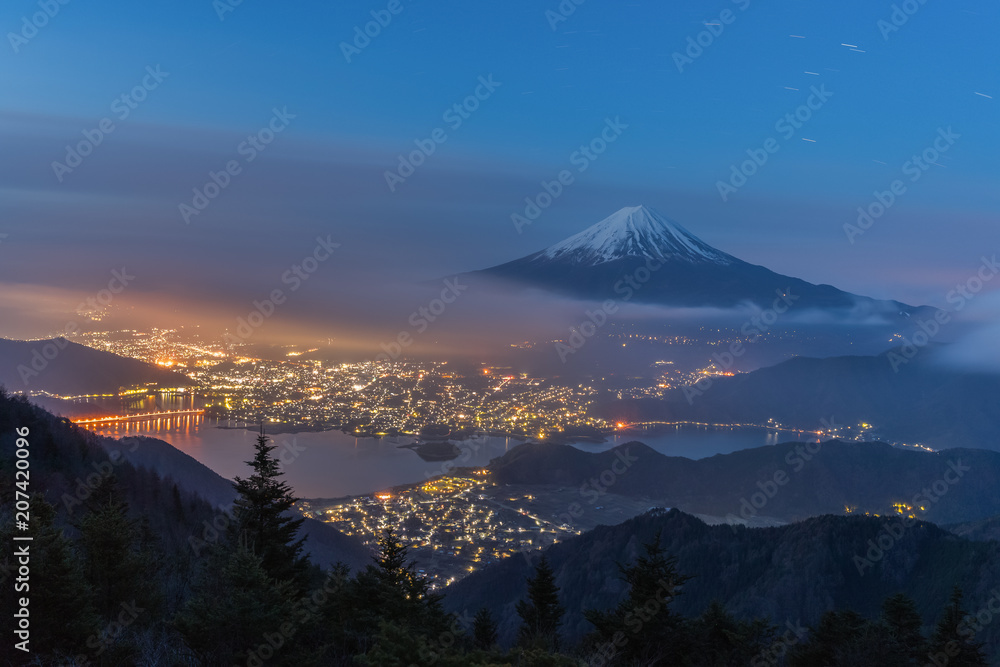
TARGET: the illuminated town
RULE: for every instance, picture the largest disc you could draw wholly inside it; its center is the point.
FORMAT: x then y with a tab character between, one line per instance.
395	397
368	397
459	522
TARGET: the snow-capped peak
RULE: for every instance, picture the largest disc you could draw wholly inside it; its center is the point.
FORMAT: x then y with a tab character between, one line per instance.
634	231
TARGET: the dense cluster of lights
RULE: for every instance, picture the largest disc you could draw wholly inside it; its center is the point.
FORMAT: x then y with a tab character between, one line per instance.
454	524
401	396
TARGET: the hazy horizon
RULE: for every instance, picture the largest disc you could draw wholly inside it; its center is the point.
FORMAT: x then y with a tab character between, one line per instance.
541	89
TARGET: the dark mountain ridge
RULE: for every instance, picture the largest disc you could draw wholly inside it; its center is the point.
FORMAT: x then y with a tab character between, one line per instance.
791	573
788	482
908	399
66	368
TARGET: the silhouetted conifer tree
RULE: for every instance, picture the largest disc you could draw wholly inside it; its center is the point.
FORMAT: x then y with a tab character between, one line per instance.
953	640
541	612
262	518
484	630
237	611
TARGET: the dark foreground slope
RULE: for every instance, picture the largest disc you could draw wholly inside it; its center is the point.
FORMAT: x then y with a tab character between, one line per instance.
326	545
127	566
176	495
791	573
789	482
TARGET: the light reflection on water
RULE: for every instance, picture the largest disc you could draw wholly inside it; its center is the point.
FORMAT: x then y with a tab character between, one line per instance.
697	442
331	463
317	464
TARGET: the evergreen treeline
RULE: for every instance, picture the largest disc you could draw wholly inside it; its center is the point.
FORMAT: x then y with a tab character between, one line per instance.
108	588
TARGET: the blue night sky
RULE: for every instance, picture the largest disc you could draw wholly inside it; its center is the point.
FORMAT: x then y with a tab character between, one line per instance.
324	174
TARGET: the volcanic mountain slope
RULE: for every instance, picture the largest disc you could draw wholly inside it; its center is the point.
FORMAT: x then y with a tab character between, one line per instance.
639	255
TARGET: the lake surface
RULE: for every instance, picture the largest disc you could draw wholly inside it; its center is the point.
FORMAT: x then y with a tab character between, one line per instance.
698	442
331	464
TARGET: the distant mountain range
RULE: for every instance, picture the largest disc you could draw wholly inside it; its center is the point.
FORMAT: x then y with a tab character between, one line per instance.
66	368
790	574
908	399
786	482
639	255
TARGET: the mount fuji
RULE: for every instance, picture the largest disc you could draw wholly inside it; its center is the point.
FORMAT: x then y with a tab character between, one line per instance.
639	255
